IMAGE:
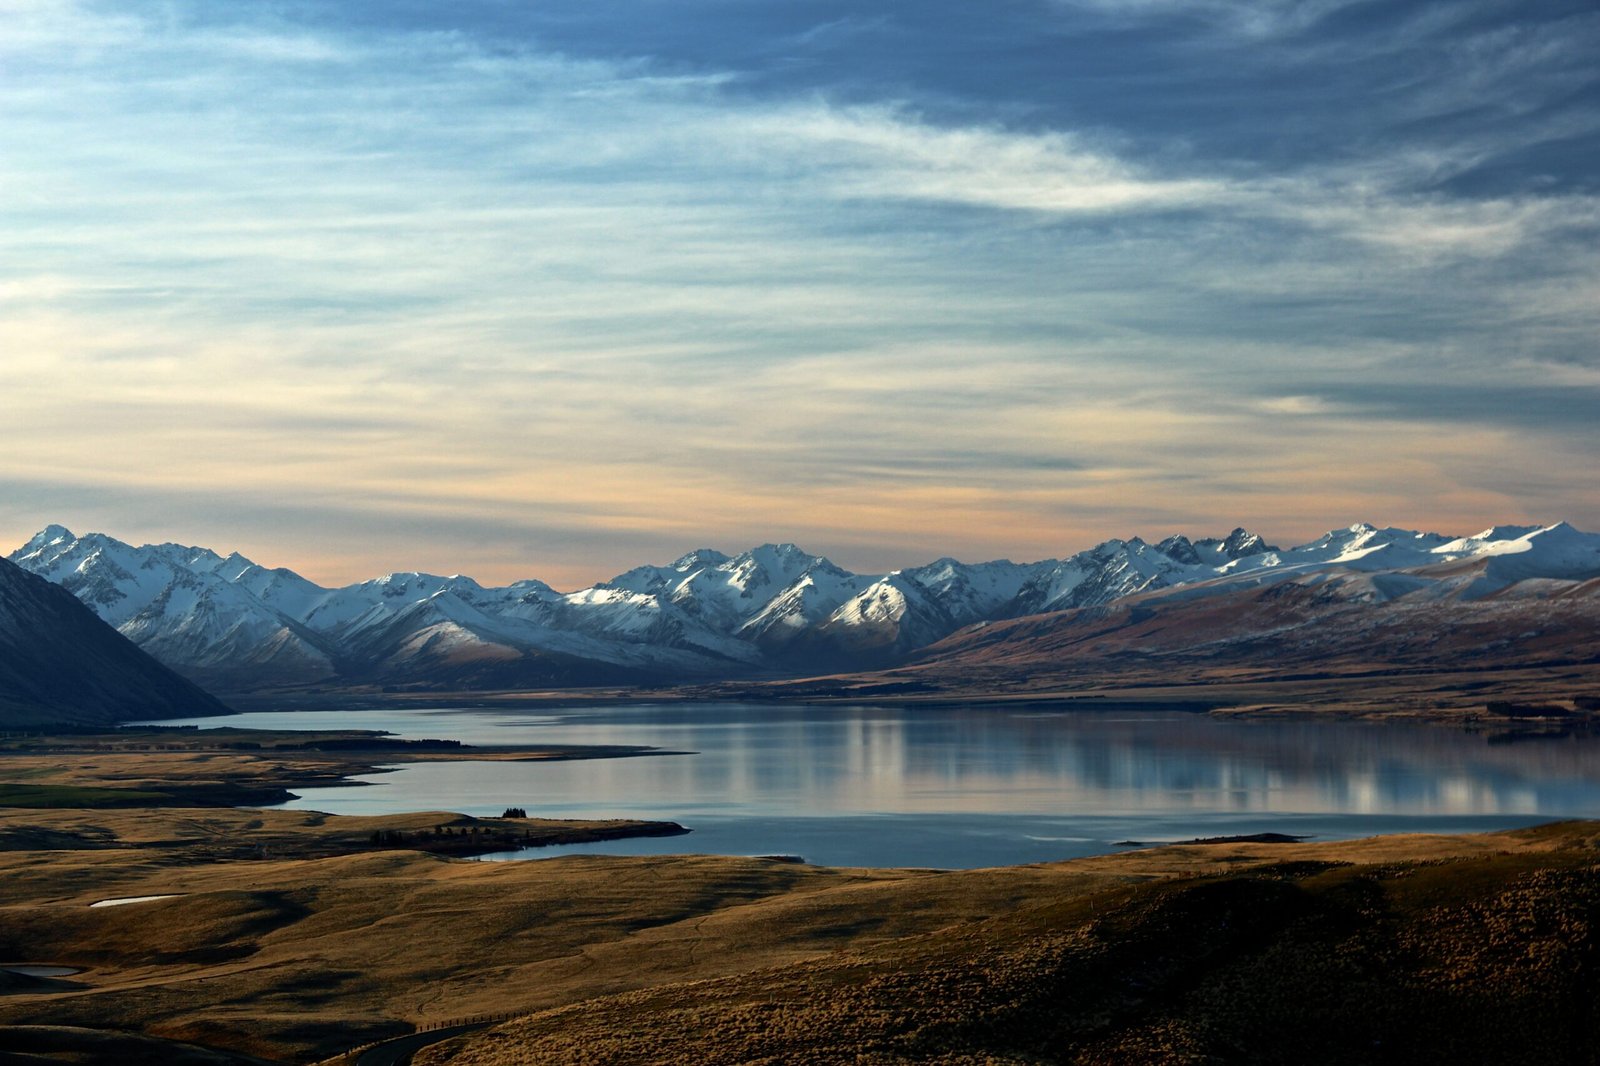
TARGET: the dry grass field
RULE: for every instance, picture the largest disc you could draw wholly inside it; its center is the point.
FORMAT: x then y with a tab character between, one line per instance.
1200	953
1416	950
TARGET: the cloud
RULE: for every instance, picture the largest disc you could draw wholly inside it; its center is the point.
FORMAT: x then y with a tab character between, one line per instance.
883	153
1256	19
1424	227
1528	404
620	306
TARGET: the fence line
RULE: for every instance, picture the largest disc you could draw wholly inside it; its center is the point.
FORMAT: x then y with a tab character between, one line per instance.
348	1058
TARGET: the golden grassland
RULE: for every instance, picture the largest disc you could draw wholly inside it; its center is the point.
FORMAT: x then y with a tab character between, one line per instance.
1319	955
1195	950
291	937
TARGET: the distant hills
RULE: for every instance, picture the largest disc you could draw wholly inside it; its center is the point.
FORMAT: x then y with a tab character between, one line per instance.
61	665
777	610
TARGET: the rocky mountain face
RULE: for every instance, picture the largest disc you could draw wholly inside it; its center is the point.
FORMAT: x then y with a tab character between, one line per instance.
771	610
60	665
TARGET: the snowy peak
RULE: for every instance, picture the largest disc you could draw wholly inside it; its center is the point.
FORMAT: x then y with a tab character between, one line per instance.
1366	547
807	602
416	585
1180	549
886	600
1497	533
1214	551
699	559
1241	543
770	565
1119	568
972	593
46	537
892	616
1515	540
1558	552
648	579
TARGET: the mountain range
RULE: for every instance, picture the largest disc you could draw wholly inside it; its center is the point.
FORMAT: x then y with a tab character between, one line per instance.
774	610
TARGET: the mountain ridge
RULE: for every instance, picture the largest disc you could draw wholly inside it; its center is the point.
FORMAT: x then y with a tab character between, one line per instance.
772	610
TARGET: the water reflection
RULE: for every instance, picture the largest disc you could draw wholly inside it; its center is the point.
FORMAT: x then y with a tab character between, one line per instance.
970	787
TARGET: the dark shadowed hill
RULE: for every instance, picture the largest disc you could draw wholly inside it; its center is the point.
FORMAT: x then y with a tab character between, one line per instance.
61	665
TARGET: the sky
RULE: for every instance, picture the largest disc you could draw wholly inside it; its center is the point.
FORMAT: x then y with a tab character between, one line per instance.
550	289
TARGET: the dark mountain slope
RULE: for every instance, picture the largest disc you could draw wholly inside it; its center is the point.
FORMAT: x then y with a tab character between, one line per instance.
60	665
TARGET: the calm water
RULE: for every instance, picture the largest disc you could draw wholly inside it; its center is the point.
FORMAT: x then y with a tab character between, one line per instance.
963	788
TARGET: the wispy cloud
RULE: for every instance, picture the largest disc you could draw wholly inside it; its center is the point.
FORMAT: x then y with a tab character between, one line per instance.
1256	19
1426	227
886	154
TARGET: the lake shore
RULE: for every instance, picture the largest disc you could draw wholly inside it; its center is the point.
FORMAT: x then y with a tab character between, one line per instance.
222	766
1454	697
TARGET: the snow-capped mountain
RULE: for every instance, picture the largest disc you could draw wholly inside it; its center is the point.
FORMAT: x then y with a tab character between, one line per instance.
774	608
189	607
1121	568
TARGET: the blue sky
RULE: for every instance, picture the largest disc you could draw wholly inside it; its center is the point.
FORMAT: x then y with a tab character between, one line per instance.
548	289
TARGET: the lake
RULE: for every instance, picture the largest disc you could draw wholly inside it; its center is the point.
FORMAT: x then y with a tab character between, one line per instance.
872	786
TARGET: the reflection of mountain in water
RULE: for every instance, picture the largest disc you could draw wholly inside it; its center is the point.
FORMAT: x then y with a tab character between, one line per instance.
992	763
1187	760
830	762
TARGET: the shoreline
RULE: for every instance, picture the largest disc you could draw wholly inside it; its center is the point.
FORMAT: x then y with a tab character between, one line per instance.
1454	698
230	767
